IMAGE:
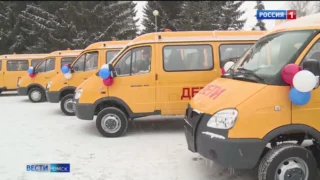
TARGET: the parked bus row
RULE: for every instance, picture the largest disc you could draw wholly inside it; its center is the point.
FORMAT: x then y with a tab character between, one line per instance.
261	111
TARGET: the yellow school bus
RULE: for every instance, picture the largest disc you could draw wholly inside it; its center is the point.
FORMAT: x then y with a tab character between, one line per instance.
45	70
157	74
86	64
14	66
251	116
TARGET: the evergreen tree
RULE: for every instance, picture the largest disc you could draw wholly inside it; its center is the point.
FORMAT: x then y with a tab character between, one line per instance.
11	39
200	15
127	29
44	25
260	24
168	17
230	14
149	19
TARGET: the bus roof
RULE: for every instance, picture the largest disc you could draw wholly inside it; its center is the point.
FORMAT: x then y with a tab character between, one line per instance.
108	44
303	23
65	53
22	56
187	36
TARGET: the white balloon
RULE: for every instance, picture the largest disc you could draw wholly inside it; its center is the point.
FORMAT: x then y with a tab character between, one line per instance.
68	75
228	65
304	81
105	66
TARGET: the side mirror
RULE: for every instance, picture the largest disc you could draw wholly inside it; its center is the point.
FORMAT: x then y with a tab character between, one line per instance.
71	69
114	73
111	68
313	66
34	69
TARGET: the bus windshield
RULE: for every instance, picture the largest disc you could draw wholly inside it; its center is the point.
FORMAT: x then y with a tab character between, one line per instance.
270	54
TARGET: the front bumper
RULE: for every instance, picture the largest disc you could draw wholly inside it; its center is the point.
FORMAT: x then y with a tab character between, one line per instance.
22	91
53	96
214	144
83	111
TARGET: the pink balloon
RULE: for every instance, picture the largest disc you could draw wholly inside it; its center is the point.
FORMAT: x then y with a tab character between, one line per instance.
288	72
223	71
108	81
32	75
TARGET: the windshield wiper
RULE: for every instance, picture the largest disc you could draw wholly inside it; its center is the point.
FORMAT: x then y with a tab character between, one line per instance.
250	72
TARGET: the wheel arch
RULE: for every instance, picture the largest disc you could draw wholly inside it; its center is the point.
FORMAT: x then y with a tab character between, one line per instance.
66	90
292	129
112	101
35	85
117	102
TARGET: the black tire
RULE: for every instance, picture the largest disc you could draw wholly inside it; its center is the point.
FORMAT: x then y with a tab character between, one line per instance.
42	94
62	104
0	92
117	112
271	161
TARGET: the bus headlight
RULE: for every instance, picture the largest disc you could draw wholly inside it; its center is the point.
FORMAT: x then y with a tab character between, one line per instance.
49	84
224	119
78	94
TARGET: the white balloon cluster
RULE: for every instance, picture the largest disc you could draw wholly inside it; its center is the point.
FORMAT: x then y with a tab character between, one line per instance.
304	81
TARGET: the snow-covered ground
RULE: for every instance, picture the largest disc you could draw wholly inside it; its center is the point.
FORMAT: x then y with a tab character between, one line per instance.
154	148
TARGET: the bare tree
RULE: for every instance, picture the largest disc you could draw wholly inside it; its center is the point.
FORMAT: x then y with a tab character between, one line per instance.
304	8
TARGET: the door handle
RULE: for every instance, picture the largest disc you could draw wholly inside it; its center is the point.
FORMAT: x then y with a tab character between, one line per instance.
85	78
47	77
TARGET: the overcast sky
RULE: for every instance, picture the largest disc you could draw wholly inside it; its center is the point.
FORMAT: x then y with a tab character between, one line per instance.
248	6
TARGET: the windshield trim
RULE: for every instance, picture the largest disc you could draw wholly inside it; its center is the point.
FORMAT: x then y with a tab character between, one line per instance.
118	55
43	60
276	79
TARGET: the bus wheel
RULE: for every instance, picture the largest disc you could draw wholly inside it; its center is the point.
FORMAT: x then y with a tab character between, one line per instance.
112	122
288	162
36	95
66	105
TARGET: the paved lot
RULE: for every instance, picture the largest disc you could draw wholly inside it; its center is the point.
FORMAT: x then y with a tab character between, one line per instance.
154	148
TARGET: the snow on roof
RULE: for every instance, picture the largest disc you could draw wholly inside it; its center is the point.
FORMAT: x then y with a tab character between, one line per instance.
65	53
310	22
108	44
184	36
22	56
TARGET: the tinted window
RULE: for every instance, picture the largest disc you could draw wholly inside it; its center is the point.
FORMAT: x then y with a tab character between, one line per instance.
47	65
79	65
42	67
91	61
17	65
67	60
111	55
35	62
135	61
231	52
187	58
50	64
314	52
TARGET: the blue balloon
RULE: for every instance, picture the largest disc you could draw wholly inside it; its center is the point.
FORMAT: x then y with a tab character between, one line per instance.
104	73
65	69
30	70
299	98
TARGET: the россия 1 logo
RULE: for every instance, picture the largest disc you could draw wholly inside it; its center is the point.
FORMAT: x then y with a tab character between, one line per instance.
276	14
